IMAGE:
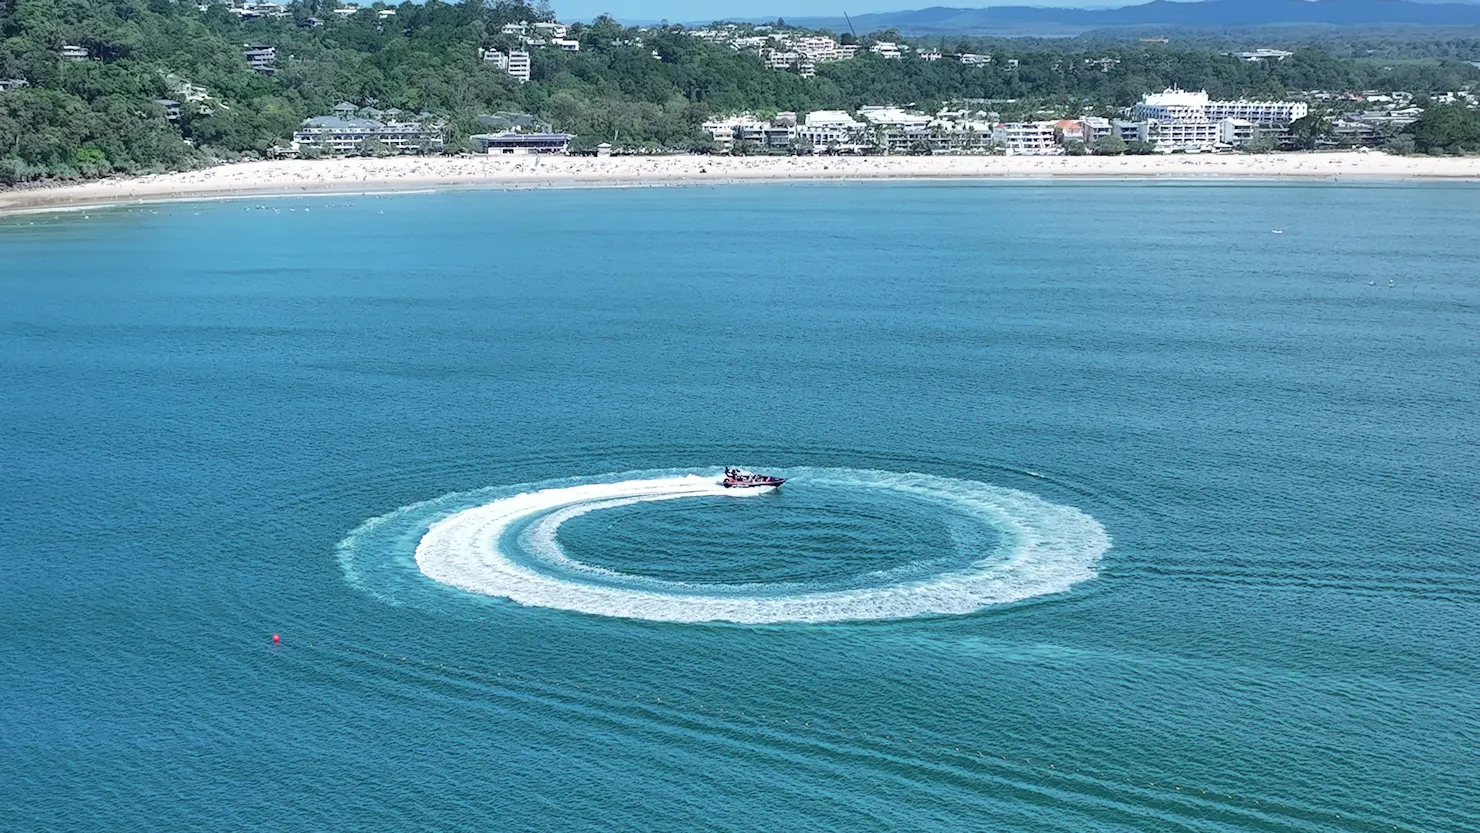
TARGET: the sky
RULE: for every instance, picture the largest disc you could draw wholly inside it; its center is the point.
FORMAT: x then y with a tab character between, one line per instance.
681	11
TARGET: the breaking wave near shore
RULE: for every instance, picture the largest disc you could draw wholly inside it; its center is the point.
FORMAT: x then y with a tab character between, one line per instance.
989	545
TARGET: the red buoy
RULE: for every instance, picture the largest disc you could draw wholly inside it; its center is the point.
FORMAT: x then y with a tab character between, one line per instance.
276	639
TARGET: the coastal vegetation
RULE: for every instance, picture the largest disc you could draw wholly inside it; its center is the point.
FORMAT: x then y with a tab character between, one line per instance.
101	77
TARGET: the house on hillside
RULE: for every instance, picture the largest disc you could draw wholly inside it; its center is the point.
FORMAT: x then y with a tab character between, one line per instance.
515	63
261	57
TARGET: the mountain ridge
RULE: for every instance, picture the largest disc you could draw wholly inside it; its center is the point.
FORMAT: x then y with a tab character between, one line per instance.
1207	14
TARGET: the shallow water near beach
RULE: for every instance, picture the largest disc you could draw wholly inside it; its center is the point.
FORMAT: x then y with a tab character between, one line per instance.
1107	509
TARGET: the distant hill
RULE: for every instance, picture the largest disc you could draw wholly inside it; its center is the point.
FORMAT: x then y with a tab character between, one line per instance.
1208	14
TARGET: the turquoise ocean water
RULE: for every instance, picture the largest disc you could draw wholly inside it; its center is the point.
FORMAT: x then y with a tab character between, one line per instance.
1109	510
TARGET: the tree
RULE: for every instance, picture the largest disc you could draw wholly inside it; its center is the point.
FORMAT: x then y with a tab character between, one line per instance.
1074	147
1308	131
1140	148
1110	145
1400	145
374	147
1258	144
1442	126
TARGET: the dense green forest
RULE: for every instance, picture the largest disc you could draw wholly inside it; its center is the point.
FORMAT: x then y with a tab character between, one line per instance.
650	88
1376	42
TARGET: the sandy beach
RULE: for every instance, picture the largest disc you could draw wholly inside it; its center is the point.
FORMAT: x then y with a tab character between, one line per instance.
413	173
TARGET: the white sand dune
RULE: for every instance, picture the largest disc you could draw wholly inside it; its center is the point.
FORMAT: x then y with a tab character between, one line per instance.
411	173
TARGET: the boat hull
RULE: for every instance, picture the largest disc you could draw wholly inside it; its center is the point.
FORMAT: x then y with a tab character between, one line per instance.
753	484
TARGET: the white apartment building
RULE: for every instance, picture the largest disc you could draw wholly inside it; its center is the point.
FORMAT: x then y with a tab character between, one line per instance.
516	64
1172	106
1236	131
831	130
1184	136
1094	128
725	131
336	135
961	130
1176	120
1183	106
973	60
820	49
886	49
788	59
902	130
1259	112
1030	138
1191	136
892	117
1262	55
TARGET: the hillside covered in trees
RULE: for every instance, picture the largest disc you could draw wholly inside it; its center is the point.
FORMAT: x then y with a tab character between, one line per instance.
97	114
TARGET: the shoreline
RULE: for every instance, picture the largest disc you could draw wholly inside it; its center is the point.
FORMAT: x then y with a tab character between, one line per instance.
289	178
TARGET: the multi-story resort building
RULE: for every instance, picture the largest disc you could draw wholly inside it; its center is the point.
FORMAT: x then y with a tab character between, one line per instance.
831	131
1179	105
1093	129
1265	113
337	135
515	63
74	53
1029	138
727	130
7	84
1179	120
520	143
1186	136
1172	106
1171	121
898	130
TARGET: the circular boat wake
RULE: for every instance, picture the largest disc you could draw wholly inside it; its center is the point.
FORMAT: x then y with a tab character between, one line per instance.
503	543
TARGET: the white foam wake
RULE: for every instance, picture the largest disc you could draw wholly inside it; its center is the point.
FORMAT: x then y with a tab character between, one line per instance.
1051	548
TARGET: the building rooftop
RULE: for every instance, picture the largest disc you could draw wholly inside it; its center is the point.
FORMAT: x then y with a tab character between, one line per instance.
1171	97
507	121
337	123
